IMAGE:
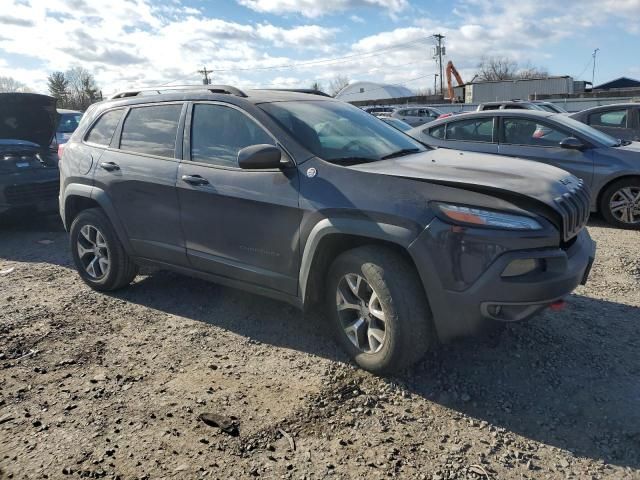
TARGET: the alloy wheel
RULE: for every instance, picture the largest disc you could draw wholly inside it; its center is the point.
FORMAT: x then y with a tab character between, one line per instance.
93	252
625	205
361	314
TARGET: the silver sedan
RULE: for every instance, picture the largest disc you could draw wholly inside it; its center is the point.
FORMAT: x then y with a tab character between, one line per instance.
611	167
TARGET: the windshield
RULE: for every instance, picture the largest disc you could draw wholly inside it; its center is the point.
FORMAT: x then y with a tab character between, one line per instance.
68	122
399	124
336	131
589	132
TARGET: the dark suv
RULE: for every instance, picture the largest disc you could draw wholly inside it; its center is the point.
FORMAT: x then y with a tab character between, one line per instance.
313	201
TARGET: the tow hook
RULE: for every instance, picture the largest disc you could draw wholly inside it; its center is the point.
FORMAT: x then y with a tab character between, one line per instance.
558	305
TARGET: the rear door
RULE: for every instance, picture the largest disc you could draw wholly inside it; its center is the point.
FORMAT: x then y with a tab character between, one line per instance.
533	139
240	224
138	172
475	134
616	122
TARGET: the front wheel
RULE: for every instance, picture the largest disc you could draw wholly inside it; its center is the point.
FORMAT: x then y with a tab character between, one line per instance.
620	203
379	309
98	254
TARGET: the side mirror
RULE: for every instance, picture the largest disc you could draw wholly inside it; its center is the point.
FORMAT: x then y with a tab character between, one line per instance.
260	156
572	143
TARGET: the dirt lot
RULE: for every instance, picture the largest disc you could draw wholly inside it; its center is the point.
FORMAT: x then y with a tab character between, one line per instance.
112	386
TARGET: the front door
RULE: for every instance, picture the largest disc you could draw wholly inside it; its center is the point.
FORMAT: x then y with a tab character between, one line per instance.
539	141
139	173
618	123
240	224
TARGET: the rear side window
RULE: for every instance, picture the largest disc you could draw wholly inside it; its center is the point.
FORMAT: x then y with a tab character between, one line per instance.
151	130
611	118
218	133
438	132
102	132
473	130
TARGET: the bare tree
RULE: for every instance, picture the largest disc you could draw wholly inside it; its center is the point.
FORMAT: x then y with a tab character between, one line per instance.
532	71
337	83
424	92
82	88
9	84
316	85
504	68
496	68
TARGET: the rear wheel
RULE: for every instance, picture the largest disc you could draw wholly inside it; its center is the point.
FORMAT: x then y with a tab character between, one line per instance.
98	254
620	203
379	309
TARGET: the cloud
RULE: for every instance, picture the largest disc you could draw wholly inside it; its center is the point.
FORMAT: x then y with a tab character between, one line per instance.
316	8
21	22
141	42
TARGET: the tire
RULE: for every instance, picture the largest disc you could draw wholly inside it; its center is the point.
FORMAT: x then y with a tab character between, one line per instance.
618	191
396	294
112	267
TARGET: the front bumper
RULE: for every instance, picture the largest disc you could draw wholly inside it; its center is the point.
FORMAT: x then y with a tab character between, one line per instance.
466	306
36	188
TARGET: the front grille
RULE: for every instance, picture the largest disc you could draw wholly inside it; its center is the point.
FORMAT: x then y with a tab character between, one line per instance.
574	207
31	192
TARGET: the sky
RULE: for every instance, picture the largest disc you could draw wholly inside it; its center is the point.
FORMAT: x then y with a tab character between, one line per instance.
262	43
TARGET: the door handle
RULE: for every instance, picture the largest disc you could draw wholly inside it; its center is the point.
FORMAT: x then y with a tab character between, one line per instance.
109	166
196	180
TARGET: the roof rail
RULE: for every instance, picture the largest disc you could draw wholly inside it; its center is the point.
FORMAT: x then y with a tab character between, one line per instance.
310	91
134	92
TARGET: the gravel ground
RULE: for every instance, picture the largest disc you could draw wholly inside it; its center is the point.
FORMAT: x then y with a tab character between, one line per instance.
113	386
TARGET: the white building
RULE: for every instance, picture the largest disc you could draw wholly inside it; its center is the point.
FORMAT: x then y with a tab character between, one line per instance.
364	91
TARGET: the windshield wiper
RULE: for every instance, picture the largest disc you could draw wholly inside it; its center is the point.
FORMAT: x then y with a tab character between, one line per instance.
352	160
401	153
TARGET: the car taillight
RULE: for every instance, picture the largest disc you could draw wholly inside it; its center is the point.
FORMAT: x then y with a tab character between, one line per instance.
445	115
60	149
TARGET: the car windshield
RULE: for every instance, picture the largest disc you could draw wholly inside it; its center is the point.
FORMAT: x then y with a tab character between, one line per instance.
587	131
68	122
550	107
399	124
339	132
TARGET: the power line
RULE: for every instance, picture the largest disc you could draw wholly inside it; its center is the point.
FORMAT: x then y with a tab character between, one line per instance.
439	53
205	79
326	61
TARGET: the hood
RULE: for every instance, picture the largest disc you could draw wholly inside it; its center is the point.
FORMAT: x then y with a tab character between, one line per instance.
633	147
28	116
479	172
533	186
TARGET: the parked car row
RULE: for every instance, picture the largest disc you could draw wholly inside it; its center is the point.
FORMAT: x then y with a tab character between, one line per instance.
609	166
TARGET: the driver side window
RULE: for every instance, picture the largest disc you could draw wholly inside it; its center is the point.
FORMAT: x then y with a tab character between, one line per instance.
218	133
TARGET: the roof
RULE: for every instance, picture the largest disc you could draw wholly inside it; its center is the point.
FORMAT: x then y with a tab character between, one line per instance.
621	82
209	92
516	80
494	113
66	110
359	91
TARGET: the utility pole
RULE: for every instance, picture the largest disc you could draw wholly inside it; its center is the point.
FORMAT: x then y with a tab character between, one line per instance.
439	53
593	73
435	83
205	79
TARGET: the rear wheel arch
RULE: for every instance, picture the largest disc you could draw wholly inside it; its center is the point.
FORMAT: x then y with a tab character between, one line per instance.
82	197
74	204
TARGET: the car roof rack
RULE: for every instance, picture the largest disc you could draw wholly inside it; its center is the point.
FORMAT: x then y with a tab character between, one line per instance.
310	91
134	92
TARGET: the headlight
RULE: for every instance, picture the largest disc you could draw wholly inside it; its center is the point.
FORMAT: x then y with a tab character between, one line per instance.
487	218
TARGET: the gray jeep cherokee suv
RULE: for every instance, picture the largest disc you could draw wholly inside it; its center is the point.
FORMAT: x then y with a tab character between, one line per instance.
313	201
